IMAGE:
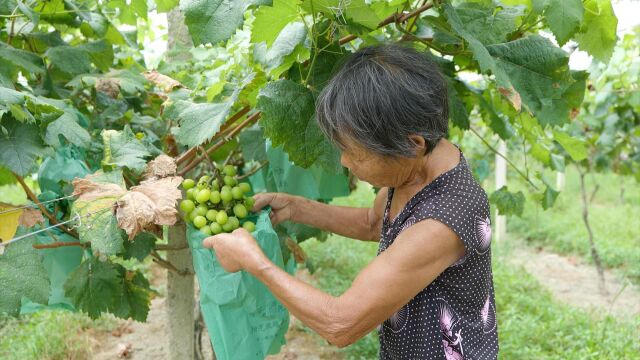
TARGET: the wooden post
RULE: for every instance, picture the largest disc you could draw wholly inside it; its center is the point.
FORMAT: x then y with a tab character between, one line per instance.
180	297
180	288
501	180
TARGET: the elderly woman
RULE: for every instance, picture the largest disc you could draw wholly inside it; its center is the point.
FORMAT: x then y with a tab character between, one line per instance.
430	289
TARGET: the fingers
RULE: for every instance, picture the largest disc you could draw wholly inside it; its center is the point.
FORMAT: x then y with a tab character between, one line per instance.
211	240
262	200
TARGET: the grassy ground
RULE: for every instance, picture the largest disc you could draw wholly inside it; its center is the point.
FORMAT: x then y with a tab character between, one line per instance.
615	223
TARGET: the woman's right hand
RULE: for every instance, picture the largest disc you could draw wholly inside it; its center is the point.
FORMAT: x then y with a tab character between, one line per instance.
282	205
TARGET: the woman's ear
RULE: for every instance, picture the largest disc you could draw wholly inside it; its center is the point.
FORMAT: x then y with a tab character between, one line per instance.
420	144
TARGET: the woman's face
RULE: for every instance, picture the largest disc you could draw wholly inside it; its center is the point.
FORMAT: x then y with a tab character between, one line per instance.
377	170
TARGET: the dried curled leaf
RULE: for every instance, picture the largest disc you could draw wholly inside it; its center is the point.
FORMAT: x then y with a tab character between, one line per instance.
160	167
298	253
151	203
162	81
108	86
87	190
30	217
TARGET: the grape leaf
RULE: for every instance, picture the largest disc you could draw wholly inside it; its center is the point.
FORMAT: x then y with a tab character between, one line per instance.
21	147
140	247
22	274
549	197
508	203
67	126
290	37
136	296
199	122
212	21
25	60
564	18
122	148
355	10
253	144
577	148
270	20
598	33
490	25
94	286
70	59
288	118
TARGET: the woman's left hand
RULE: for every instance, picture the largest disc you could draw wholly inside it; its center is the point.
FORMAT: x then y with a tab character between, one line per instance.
236	251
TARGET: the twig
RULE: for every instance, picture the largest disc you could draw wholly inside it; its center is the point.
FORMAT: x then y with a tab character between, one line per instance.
253	171
504	157
167	265
34	198
59	244
163	247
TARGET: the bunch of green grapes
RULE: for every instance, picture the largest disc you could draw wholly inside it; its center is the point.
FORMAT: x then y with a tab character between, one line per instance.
215	209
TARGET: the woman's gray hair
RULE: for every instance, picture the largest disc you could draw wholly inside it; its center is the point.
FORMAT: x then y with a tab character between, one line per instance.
382	95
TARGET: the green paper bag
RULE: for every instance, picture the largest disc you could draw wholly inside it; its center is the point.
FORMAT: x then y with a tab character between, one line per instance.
245	321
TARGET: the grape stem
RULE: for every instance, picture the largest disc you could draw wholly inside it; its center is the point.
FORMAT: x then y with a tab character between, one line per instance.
253	171
60	244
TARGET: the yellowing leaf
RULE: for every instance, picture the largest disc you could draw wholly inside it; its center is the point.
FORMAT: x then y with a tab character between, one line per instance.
8	222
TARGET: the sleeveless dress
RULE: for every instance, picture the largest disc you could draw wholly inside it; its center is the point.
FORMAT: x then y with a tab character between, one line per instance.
453	317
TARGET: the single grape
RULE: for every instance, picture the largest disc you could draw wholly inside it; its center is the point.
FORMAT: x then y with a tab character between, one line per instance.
249	202
222	217
215	228
204	179
215	197
225	187
201	210
199	221
215	184
236	193
228	180
249	226
240	211
245	186
187	206
191	193
235	223
211	215
228	227
188	184
206	230
225	194
193	215
229	170
203	196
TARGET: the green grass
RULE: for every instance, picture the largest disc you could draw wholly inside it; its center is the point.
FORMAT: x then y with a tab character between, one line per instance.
615	224
49	335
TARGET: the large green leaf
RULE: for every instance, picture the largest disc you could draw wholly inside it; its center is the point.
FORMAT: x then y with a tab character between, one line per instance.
212	21
564	18
122	148
490	25
598	33
139	247
70	59
539	72
166	5
29	62
22	274
575	147
67	126
199	122
270	20
136	296
94	286
21	147
288	118
356	11
290	38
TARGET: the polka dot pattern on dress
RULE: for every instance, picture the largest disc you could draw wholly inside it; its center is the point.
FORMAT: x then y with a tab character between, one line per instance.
454	317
